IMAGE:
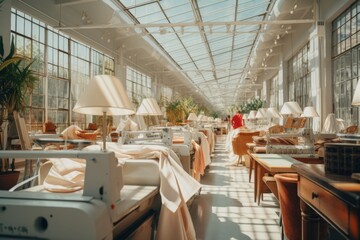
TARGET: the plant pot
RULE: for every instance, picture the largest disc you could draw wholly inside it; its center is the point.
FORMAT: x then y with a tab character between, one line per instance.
8	179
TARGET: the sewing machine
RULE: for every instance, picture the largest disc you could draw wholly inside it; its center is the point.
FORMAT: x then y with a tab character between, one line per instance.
164	136
105	209
303	149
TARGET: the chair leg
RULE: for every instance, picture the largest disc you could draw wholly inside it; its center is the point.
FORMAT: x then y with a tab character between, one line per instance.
239	160
250	168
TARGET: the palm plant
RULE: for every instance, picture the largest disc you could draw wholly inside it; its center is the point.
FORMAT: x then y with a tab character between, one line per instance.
16	82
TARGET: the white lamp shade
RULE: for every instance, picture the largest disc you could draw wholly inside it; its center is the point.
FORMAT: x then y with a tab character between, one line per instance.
261	113
291	108
309	112
245	116
273	113
252	114
104	93
356	97
192	117
149	107
200	117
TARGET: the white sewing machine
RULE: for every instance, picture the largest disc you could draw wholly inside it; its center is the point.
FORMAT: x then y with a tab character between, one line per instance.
304	149
105	209
164	136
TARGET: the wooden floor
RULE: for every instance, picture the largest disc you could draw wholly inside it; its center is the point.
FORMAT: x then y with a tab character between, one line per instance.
225	209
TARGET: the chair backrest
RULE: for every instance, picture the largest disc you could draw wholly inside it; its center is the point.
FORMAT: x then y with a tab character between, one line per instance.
240	140
276	129
289	204
25	141
351	129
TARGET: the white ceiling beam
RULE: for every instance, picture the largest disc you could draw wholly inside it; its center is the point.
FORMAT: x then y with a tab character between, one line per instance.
218	69
64	3
194	24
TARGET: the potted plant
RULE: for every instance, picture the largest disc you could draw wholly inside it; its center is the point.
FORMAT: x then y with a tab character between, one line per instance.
16	82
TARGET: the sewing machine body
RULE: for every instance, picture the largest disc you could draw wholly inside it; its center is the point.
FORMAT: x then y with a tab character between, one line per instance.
164	136
52	216
305	148
98	213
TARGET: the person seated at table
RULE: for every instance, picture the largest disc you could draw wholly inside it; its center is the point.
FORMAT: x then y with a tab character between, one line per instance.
237	120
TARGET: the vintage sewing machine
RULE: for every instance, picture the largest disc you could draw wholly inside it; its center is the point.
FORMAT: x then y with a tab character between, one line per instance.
167	137
304	148
105	209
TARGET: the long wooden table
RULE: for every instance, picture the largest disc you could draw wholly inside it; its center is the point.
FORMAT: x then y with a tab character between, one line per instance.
272	164
335	198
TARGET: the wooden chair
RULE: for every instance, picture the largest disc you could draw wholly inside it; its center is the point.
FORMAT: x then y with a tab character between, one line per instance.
289	204
351	129
26	144
25	141
239	143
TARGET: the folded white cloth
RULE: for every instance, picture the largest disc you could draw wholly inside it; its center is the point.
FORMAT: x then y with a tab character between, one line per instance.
330	124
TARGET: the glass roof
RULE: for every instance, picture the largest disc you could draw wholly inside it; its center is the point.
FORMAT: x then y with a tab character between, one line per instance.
211	49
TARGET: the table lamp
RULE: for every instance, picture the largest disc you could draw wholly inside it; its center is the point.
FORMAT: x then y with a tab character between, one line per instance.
252	114
309	112
105	95
149	107
192	117
290	109
261	113
272	113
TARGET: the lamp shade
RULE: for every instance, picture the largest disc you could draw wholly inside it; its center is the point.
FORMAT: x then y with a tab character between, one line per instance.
149	107
309	112
192	117
273	113
104	93
291	108
356	97
245	116
261	113
252	114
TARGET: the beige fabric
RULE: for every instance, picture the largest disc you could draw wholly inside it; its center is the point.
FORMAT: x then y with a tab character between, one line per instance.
176	186
70	132
205	148
65	175
199	162
330	124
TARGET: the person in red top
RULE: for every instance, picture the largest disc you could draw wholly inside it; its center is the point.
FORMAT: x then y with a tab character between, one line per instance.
237	120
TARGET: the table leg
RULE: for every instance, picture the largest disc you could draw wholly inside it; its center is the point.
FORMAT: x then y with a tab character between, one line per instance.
255	179
259	182
310	221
